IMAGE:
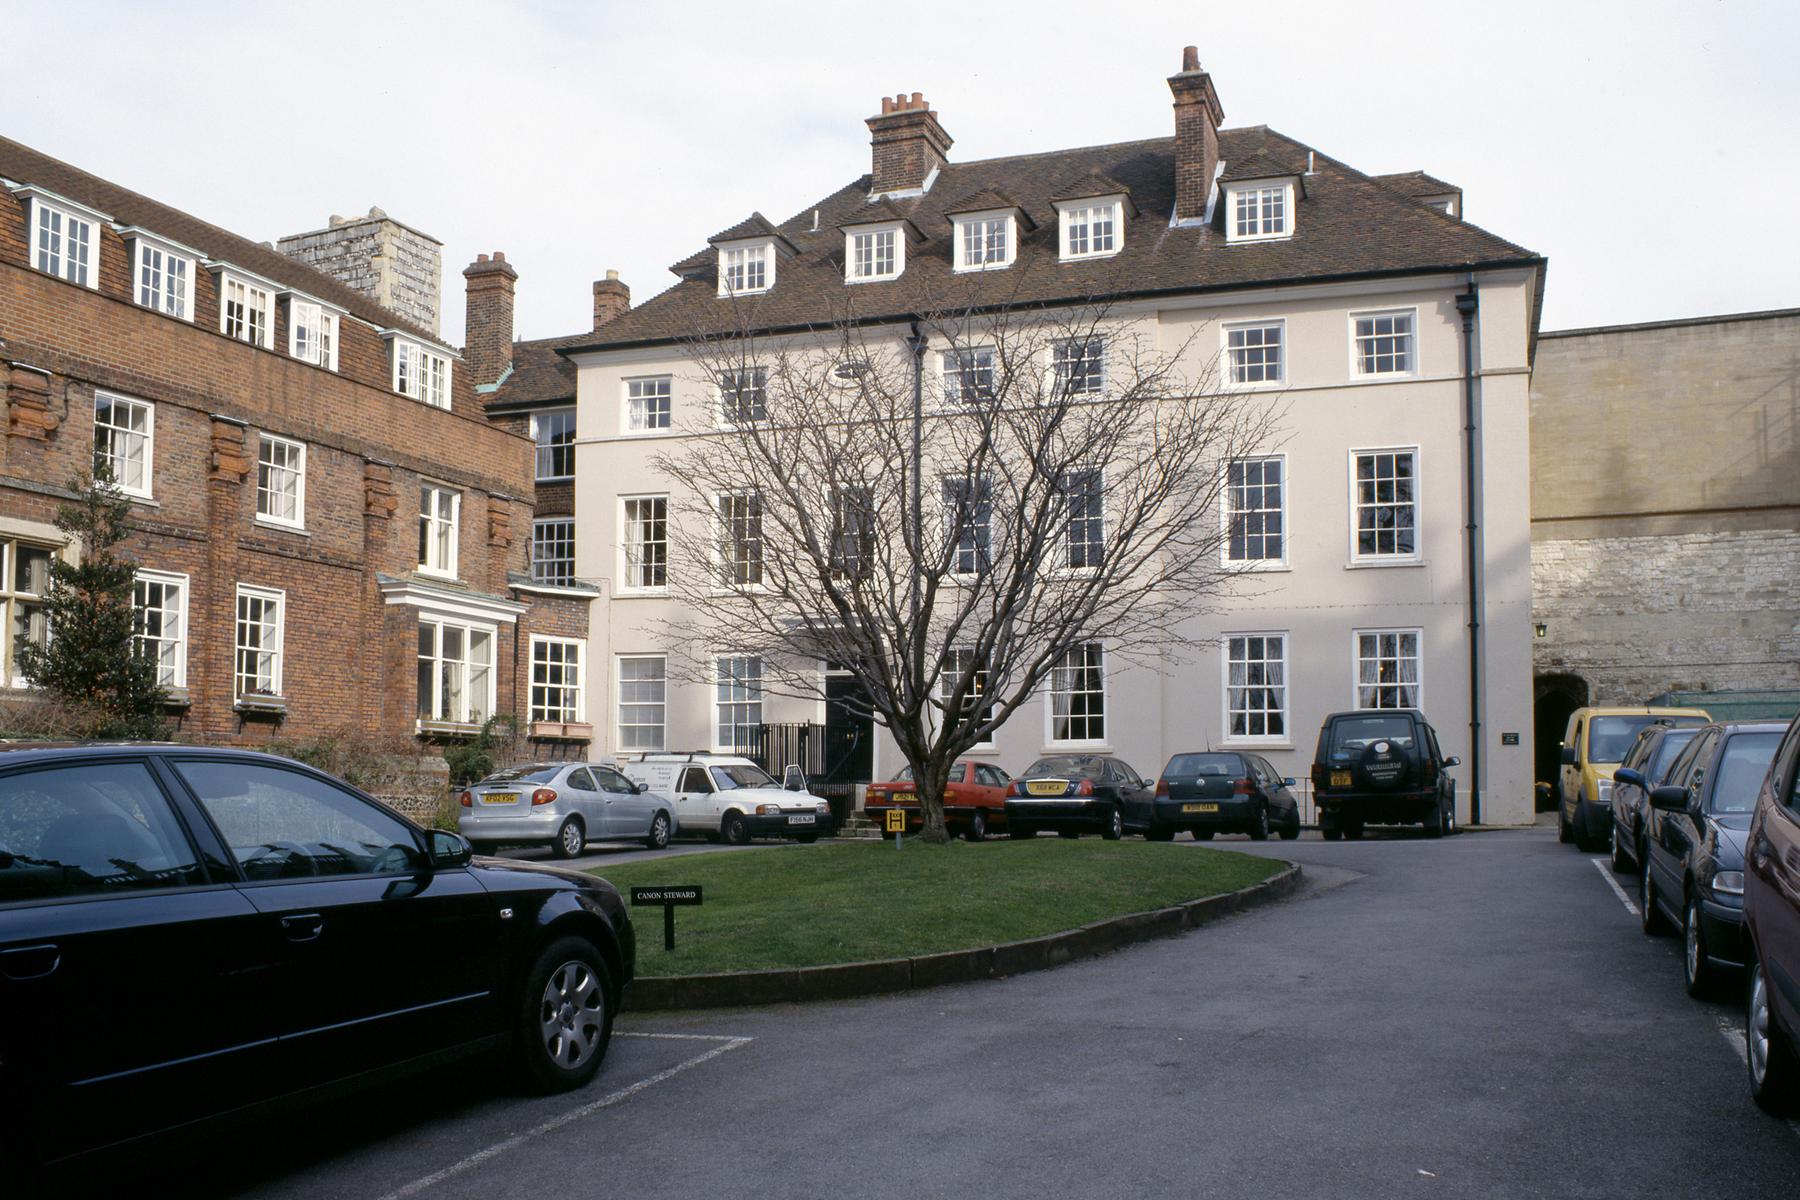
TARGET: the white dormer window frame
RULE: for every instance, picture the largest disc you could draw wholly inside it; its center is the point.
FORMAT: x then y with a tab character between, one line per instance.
746	268
418	371
986	241
64	236
874	253
246	306
1092	227
162	273
313	331
1259	210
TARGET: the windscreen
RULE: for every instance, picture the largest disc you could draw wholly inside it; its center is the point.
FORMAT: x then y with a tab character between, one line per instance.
1666	750
1351	735
1610	737
744	776
1741	769
905	775
1223	766
527	774
1067	766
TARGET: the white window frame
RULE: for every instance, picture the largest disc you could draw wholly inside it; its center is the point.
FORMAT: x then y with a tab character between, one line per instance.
735	257
13	598
259	300
179	613
540	539
148	487
1227	510
82	272
852	271
1067	519
469	713
1412	344
633	408
297	466
430	519
957	364
979	554
1356	661
726	560
620	703
1051	693
1229	354
547	451
727	393
1067	212
754	702
1086	342
178	301
1235	196
277	655
418	372
1417	555
631	545
573	707
964	224
1226	660
306	315
951	675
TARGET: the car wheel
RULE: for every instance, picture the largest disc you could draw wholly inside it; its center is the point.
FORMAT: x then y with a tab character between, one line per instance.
1774	1070
806	839
1020	833
977	831
659	832
1565	832
1203	835
1291	832
1618	851
1158	834
1115	826
571	839
1329	833
1696	972
1654	924
1259	830
1071	834
565	1017
734	830
1353	833
1434	821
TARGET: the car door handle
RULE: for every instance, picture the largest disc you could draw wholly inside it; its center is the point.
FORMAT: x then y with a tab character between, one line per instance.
303	927
30	962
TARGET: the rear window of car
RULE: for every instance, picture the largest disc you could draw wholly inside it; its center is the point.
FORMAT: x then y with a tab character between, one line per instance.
1672	744
957	771
1349	736
88	828
1741	769
533	774
1067	766
1222	765
1610	737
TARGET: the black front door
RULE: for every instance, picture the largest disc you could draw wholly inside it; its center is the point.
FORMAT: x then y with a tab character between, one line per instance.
849	734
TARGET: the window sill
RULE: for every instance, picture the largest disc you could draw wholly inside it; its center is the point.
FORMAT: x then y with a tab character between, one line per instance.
1250	743
1073	258
280	526
1077	747
431	573
145	500
661	593
261	704
1385	377
1257	566
1246	239
1377	564
561	731
176	697
447	728
872	279
978	269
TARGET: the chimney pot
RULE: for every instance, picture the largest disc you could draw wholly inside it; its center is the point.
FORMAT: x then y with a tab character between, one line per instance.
481	258
907	144
611	274
1190	58
887	105
918	100
499	256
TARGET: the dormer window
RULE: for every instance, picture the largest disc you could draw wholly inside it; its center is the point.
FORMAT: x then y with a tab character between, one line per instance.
746	268
312	332
1092	228
1259	211
65	237
246	309
419	371
873	253
984	241
162	274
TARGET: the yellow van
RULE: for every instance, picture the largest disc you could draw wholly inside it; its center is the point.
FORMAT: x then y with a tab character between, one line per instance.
1595	743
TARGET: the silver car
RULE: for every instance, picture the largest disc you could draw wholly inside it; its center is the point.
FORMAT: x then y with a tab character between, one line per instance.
563	806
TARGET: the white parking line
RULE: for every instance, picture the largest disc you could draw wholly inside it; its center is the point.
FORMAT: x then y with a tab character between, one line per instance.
1606	872
728	1044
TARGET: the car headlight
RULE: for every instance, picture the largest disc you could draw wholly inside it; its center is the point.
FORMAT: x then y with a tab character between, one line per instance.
768	810
1603	788
822	807
1728	883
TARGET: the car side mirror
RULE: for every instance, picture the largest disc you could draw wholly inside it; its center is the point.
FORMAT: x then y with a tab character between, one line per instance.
1568	756
1453	761
1288	781
1669	799
638	789
449	849
1629	775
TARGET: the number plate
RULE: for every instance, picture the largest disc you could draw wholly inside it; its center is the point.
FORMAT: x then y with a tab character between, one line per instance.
1340	779
800	819
1200	808
906	798
499	797
1046	787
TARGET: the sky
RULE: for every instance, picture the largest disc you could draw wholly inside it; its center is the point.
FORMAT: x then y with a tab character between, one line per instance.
1637	145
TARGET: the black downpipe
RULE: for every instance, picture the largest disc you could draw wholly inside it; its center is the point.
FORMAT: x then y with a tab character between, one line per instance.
1466	305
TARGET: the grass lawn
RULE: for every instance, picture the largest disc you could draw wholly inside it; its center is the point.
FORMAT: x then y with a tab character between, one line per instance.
801	906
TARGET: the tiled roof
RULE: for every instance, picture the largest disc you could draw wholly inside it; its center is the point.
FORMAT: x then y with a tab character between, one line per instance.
1258	166
22	164
1348	225
539	374
1094	183
1416	184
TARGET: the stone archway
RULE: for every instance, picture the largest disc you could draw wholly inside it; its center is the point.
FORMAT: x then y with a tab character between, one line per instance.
1554	698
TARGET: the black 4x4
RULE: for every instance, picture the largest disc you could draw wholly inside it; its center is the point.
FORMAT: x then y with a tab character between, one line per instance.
1381	767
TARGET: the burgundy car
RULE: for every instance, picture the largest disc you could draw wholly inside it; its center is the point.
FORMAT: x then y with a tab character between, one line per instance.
1772	916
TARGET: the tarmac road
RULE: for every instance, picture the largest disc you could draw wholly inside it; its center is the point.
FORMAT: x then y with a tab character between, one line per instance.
1473	1017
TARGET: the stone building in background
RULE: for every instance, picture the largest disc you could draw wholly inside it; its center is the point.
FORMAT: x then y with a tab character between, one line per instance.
395	265
1665	512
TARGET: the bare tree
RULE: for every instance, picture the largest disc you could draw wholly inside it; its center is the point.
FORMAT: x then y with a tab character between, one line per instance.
953	510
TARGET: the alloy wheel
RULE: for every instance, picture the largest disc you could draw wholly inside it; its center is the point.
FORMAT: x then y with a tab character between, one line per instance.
1756	1027
1691	951
573	840
572	1014
659	832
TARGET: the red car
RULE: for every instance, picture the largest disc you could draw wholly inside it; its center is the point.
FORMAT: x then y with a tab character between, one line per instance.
974	800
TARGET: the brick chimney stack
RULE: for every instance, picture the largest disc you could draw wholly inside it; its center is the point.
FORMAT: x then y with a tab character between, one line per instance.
1197	120
488	333
611	298
908	144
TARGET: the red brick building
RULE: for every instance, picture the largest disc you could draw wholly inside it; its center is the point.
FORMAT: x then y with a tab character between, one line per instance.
332	536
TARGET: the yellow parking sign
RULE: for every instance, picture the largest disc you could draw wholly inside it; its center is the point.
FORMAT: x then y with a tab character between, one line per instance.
896	820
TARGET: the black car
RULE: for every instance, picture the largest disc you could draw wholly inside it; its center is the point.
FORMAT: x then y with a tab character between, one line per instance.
1693	871
1075	794
1381	767
1644	768
187	933
1220	792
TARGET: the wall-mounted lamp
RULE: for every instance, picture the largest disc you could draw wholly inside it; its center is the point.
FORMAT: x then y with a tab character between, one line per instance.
1542	629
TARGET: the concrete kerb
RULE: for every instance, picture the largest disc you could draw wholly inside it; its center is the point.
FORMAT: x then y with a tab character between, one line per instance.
844	981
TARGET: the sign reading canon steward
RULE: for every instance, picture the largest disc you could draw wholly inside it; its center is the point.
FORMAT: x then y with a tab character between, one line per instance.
665	895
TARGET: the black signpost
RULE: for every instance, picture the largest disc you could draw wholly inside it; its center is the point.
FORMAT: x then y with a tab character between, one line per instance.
669	896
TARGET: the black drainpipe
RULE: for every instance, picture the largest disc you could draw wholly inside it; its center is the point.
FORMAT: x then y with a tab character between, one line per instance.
1466	304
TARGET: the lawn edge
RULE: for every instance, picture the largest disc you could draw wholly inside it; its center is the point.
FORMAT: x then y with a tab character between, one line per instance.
843	981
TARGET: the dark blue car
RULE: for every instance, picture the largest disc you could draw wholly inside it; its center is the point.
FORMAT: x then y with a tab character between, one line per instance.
1645	766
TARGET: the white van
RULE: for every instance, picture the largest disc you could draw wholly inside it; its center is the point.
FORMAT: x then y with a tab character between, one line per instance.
727	797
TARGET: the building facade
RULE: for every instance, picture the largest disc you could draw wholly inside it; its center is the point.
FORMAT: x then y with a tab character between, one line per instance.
1341	293
1665	512
329	530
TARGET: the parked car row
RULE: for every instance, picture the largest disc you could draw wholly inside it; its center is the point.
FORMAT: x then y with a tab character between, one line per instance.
1706	815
